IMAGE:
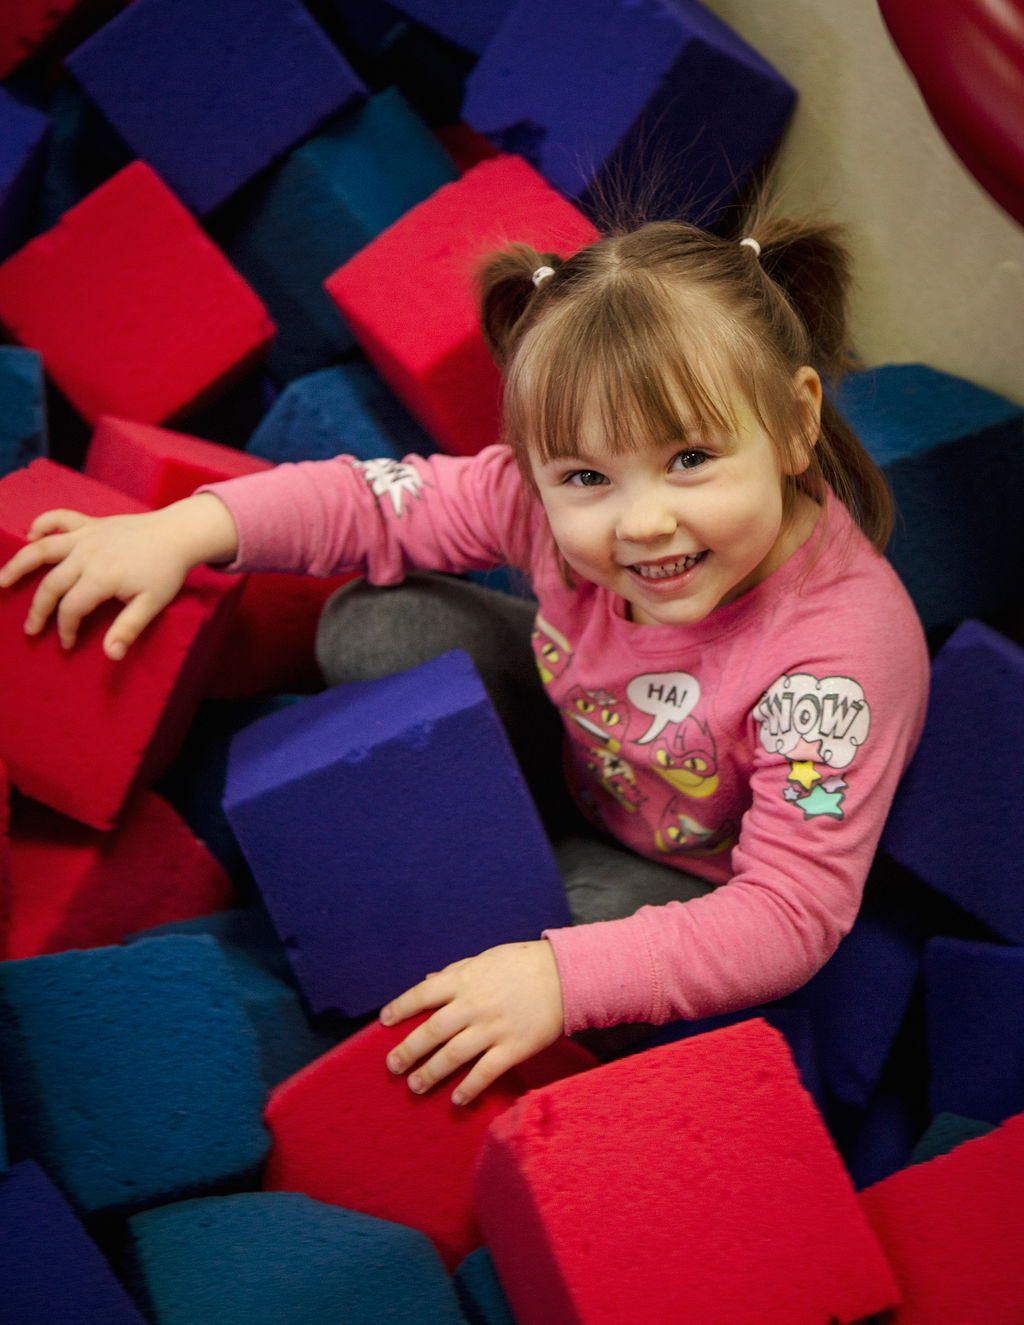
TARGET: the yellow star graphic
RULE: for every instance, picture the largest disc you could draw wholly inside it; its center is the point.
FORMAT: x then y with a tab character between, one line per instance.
804	772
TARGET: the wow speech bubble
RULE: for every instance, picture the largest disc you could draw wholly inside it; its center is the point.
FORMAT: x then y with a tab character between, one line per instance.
666	696
832	712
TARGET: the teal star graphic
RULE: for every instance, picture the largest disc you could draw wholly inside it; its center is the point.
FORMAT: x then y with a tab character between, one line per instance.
820	801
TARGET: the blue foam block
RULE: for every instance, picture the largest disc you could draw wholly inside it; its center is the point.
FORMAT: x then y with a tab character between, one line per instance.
323	203
131	1074
975	1008
665	81
281	1258
209	95
878	1140
83	152
348	408
941	441
945	1133
286	1038
23	433
389	829
481	1295
50	1269
956	817
472	24
23	133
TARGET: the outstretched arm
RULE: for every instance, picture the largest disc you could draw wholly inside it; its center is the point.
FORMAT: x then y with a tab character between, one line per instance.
498	1008
141	560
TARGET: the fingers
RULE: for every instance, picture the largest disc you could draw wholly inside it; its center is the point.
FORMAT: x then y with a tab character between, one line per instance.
59	521
129	624
30	558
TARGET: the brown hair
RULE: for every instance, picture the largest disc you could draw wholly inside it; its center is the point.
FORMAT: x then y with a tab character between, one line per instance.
668	317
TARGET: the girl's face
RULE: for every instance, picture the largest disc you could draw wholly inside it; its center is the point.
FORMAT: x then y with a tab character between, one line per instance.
679	527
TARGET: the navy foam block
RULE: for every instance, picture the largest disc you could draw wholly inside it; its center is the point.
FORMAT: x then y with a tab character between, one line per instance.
946	1131
346	407
23	432
975	1010
958	542
390	832
955	820
481	1295
281	1258
23	132
131	1073
82	153
209	95
671	75
323	203
471	24
50	1269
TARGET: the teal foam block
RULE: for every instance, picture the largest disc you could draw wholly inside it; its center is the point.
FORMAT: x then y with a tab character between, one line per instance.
286	1037
23	432
606	95
23	134
131	1073
324	202
481	1295
390	832
345	408
953	454
51	1271
946	1131
974	996
82	153
281	1258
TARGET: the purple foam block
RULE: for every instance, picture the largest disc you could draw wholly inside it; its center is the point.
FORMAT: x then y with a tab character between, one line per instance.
209	94
471	24
956	818
390	832
975	1010
23	133
50	1268
662	91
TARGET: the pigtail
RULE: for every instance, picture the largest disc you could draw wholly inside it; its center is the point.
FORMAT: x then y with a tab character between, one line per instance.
507	291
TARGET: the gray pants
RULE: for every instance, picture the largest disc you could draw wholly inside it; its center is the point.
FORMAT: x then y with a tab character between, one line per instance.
367	632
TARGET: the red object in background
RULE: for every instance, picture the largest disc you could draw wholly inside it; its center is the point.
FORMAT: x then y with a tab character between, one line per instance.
968	59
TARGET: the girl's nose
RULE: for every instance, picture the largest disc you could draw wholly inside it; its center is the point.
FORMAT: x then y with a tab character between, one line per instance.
644	519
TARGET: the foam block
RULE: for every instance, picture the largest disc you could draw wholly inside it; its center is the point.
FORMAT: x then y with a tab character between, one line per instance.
408	295
278	1258
23	435
480	1292
80	732
975	1009
131	1073
79	887
50	1268
5	859
952	1231
963	833
745	1208
26	25
135	311
945	1133
426	849
346	407
347	1132
323	203
23	132
674	76
237	84
83	152
958	542
472	24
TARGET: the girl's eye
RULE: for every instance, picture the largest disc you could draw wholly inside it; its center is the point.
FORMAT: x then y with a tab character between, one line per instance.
692	459
585	478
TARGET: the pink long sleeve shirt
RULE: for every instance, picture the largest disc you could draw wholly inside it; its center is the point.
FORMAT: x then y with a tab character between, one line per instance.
758	749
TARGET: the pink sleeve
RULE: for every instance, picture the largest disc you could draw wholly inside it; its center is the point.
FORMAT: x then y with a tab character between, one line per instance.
381	517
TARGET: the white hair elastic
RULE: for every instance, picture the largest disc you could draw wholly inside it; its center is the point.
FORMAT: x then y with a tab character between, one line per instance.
751	243
541	275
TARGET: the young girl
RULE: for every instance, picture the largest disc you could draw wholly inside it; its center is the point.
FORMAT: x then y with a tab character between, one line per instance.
739	674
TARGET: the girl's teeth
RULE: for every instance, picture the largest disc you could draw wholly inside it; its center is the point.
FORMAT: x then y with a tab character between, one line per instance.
664	571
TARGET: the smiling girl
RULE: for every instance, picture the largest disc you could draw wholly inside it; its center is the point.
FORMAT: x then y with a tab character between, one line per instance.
739	676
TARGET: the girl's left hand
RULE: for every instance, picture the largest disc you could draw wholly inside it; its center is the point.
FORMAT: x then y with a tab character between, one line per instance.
499	1008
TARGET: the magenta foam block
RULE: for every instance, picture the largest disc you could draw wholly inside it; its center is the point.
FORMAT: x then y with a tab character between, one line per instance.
693	1182
80	732
345	1131
952	1231
390	832
135	311
409	296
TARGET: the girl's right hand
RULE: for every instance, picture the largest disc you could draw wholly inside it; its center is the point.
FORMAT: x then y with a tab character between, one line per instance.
141	560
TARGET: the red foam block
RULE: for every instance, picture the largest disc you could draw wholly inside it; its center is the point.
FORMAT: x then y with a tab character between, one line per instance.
347	1132
134	310
409	298
695	1182
79	732
269	645
79	887
953	1229
26	25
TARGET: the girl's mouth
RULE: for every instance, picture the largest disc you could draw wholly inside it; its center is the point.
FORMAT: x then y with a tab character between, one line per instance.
666	570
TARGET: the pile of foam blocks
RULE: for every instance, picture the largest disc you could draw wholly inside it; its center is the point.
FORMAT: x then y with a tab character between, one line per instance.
239	233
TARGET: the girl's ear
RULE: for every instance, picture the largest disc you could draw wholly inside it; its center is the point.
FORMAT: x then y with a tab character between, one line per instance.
807	385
